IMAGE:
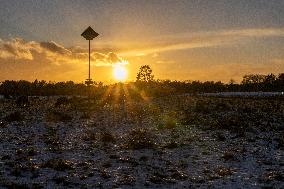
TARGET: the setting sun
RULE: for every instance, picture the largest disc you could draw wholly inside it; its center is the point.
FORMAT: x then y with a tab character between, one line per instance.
119	73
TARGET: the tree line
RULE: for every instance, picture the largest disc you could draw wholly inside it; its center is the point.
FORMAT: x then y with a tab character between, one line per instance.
145	83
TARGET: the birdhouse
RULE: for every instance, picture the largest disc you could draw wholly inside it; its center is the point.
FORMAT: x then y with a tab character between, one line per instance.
89	33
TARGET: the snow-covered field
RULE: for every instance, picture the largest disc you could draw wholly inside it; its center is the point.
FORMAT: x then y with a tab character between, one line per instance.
171	142
244	94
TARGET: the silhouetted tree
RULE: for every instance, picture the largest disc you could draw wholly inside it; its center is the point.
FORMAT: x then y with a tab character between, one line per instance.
232	82
145	85
145	74
281	77
253	79
270	79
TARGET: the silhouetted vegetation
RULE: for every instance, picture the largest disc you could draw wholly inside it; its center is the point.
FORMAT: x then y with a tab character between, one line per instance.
145	74
146	86
56	116
14	116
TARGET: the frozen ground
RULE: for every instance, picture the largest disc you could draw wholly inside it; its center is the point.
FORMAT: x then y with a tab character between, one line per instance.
176	142
244	94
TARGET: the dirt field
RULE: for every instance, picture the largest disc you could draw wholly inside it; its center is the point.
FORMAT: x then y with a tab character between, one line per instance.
170	142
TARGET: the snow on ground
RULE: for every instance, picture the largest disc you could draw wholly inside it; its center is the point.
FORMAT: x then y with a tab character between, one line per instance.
244	94
176	142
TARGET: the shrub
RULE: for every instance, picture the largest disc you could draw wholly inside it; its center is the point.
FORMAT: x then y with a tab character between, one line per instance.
272	176
31	151
85	115
2	124
15	116
58	164
158	177
62	101
233	122
223	171
140	139
51	138
228	156
55	116
280	142
222	106
90	136
172	145
22	101
201	106
168	121
107	137
178	175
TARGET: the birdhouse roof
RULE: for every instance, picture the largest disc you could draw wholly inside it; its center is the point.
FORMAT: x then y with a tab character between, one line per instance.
89	33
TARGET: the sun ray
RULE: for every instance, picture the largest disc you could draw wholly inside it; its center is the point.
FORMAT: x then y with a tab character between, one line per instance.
107	93
140	93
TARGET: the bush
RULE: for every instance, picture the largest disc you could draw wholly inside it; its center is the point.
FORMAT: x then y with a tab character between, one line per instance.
140	139
168	121
58	164
202	106
85	115
15	116
90	136
107	137
223	171
172	145
55	116
62	101
233	122
22	101
2	124
228	156
222	106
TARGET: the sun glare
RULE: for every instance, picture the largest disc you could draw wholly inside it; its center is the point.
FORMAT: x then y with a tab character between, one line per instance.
119	73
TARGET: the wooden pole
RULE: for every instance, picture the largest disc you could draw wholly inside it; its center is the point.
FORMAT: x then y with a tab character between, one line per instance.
89	59
89	81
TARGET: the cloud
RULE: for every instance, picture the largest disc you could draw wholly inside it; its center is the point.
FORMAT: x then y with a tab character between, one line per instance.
184	41
52	53
165	62
113	58
54	47
53	60
266	32
18	49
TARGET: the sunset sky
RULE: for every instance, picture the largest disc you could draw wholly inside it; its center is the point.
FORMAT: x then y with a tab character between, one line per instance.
179	39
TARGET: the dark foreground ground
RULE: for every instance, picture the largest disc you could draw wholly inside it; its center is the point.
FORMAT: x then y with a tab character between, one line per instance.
171	142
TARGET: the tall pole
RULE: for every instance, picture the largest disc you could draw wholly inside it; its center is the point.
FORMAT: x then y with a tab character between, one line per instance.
89	85
89	59
89	34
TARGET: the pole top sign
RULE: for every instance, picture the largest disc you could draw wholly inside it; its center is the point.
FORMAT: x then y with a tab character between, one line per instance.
89	34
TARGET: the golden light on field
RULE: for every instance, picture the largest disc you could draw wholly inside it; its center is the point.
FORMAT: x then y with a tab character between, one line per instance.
120	73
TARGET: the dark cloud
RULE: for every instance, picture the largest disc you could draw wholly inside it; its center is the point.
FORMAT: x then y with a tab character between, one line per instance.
54	47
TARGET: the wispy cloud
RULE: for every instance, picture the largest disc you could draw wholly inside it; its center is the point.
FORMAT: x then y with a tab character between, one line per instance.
51	59
194	40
